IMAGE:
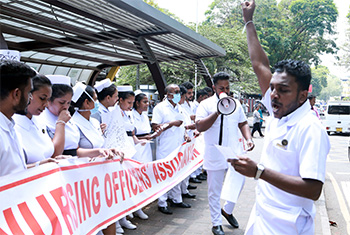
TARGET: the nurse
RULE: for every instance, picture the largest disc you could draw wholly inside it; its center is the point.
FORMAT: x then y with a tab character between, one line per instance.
84	103
37	144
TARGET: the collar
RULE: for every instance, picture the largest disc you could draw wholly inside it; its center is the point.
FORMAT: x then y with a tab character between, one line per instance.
23	121
294	117
5	123
170	104
103	109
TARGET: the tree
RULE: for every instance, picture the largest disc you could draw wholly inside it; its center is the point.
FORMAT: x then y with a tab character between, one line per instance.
345	58
319	79
333	88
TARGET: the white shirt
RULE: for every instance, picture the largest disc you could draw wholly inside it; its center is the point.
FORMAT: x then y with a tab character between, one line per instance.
213	159
173	137
194	106
141	122
304	156
36	142
72	134
90	132
11	151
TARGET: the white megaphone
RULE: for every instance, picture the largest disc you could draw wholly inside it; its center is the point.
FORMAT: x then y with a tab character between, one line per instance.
226	104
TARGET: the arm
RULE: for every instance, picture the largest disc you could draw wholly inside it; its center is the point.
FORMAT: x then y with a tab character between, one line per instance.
205	123
59	137
308	188
260	62
245	130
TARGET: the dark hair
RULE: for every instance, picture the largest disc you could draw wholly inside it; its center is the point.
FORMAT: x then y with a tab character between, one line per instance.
59	90
13	74
90	90
208	89
108	91
125	94
138	98
310	97
40	81
201	92
188	85
183	90
220	76
298	69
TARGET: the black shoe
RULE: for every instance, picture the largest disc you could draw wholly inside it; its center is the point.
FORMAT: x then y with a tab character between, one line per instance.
262	136
217	230
165	210
180	204
191	187
194	180
201	177
188	195
230	219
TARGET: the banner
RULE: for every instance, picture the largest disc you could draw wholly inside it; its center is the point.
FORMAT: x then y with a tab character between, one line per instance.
80	197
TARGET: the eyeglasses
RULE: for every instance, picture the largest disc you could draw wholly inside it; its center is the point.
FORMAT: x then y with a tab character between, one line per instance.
176	92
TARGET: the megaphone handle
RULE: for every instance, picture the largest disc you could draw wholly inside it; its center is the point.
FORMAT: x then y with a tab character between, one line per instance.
221	127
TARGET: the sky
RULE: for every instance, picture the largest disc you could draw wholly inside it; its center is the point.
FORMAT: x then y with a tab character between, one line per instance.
187	11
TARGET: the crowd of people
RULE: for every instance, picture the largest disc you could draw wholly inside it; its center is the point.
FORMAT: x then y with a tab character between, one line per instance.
44	119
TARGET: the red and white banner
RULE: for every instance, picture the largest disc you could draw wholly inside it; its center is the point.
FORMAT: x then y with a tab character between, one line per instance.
80	197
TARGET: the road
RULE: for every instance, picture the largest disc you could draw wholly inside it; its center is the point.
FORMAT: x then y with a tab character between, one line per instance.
337	185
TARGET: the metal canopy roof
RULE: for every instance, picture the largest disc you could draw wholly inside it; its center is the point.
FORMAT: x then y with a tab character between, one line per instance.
95	34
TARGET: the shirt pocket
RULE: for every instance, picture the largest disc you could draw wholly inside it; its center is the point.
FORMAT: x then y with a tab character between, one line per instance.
283	160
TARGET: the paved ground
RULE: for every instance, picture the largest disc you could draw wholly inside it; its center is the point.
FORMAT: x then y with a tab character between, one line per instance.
196	220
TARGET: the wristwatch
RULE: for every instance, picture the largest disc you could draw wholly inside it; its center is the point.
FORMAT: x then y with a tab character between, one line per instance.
259	171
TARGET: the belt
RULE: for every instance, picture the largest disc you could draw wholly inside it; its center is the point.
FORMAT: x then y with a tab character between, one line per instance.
142	135
72	152
129	133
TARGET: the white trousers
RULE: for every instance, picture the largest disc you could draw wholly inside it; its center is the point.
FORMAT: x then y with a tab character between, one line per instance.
174	194
215	181
184	185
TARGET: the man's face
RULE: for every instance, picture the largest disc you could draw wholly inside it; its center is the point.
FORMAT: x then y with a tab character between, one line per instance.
285	96
312	102
201	98
222	86
172	91
189	95
21	107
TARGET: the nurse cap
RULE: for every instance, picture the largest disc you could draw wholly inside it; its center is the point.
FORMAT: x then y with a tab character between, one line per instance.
124	88
78	90
100	85
137	92
59	79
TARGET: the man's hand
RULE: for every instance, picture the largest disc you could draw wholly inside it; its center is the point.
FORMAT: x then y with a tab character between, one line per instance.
248	10
176	123
250	145
244	166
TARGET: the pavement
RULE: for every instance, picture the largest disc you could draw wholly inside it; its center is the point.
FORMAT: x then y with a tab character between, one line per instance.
196	220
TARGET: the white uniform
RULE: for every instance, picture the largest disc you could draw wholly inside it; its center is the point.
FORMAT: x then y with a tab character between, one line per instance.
90	132
128	126
168	141
304	155
142	126
11	151
36	142
214	162
194	106
72	134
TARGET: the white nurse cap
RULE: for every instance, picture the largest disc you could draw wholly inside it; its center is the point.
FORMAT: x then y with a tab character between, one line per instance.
124	88
59	79
137	92
78	90
100	85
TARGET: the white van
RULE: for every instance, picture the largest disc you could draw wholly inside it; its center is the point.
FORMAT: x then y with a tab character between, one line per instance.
337	117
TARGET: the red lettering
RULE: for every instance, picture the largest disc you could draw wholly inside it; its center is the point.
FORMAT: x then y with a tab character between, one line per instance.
115	186
85	197
72	205
94	184
127	178
12	223
29	218
170	169
2	232
122	184
58	194
108	182
162	171
132	178
77	199
142	185
148	181
156	175
55	223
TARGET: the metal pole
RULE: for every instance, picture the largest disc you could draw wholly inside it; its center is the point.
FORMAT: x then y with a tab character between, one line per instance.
195	69
137	86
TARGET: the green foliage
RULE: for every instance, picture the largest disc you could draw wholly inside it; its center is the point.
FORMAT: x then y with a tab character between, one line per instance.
319	79
333	88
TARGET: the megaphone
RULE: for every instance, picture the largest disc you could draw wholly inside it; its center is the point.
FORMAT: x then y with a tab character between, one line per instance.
226	104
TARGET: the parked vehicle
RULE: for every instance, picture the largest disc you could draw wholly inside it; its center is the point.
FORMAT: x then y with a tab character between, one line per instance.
337	117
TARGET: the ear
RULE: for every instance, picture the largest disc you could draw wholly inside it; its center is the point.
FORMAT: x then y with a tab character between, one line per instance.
16	95
303	96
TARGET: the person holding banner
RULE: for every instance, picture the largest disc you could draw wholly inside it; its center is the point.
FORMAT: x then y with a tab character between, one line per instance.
168	115
37	144
221	131
292	167
15	87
